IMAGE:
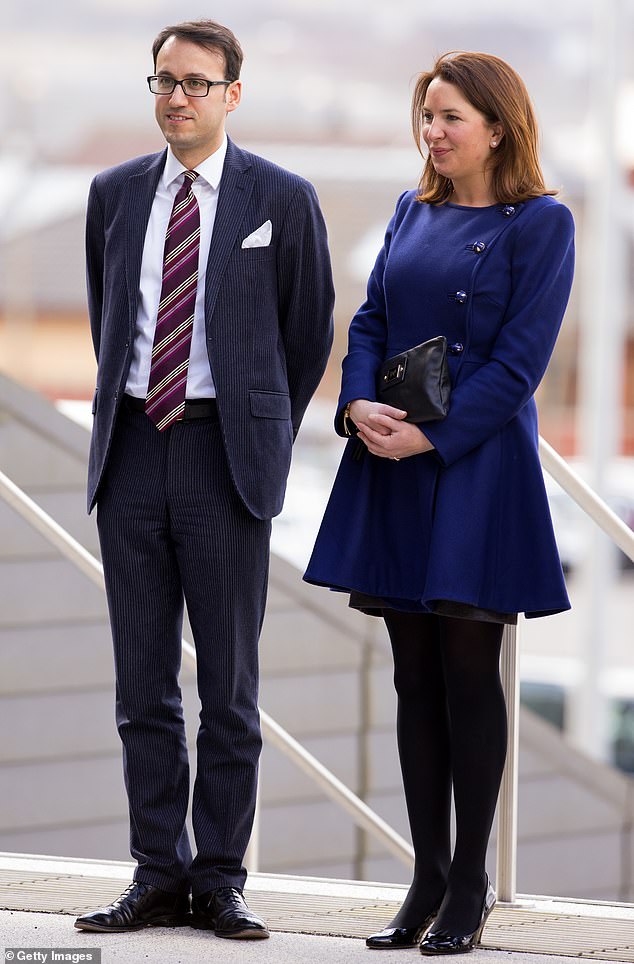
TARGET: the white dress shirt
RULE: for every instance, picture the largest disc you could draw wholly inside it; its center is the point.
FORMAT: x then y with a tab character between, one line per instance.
205	187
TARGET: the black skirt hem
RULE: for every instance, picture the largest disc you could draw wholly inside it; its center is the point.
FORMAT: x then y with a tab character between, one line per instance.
374	606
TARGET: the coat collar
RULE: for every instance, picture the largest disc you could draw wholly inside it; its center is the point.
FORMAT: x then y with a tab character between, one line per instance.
236	187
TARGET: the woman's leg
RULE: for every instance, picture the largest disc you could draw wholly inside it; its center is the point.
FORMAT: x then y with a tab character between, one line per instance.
424	752
477	712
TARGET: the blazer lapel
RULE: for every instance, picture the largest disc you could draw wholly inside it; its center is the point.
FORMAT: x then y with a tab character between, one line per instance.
141	189
234	195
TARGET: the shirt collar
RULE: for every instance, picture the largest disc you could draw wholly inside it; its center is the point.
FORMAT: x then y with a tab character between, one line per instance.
209	170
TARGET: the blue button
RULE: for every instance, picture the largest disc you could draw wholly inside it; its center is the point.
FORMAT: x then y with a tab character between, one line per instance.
477	247
459	296
456	349
508	210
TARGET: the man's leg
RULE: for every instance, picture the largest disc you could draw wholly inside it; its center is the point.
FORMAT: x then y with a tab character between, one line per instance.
145	604
223	554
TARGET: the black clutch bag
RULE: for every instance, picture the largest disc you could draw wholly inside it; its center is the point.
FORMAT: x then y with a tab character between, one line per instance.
417	381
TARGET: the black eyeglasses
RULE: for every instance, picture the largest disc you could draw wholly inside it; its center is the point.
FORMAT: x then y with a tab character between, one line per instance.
191	86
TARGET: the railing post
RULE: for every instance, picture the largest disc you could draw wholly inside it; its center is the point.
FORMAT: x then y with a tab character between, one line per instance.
506	877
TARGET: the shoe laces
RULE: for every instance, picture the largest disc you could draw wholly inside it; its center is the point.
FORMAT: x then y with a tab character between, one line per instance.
230	895
135	885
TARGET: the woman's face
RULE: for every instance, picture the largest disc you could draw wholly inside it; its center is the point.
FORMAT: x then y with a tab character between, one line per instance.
460	139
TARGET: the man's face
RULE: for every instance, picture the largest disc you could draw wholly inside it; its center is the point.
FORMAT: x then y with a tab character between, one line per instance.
193	126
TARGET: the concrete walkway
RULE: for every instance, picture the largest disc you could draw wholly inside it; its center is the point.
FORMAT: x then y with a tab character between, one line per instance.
19	929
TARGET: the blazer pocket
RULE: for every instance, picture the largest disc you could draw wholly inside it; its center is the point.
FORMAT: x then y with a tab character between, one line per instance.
263	252
270	404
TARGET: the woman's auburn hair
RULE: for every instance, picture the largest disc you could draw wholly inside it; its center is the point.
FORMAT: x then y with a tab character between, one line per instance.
499	93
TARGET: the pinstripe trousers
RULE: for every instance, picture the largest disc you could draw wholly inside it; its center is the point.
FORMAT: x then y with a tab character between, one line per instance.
172	529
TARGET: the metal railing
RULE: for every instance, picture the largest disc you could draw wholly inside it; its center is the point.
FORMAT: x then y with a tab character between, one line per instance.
593	506
362	815
586	498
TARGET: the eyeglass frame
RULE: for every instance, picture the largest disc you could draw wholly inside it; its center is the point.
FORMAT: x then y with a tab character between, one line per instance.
179	83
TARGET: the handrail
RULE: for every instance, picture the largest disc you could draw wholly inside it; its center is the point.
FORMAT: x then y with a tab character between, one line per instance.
586	498
40	520
362	815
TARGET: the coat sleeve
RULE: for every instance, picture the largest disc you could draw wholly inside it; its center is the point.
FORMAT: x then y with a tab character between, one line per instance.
306	297
542	270
94	264
367	335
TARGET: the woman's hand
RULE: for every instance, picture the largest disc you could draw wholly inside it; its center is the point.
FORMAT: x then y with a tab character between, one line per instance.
383	431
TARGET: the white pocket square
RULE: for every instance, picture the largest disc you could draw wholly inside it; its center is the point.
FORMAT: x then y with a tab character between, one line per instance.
260	238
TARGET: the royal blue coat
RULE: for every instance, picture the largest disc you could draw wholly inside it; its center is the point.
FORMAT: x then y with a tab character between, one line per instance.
468	522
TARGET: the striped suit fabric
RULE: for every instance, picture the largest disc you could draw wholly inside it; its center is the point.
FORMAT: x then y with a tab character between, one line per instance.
184	514
268	310
169	495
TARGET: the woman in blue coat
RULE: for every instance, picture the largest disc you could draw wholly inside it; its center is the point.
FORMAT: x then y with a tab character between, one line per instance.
443	528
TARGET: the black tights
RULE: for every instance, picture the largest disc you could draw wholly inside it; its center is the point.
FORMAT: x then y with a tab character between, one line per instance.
451	730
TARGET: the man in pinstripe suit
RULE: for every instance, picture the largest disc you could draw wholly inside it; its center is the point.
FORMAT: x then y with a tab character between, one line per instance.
189	461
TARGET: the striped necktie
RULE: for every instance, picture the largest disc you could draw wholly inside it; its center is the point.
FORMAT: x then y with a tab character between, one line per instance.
165	401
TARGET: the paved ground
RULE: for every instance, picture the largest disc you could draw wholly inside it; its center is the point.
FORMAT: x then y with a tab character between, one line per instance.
186	946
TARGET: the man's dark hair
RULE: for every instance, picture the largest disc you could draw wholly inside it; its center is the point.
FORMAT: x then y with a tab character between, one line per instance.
209	34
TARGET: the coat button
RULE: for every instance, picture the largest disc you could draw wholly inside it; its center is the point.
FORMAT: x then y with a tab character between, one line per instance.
456	349
477	247
508	210
459	296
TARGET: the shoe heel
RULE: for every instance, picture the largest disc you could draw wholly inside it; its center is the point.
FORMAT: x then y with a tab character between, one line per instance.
477	937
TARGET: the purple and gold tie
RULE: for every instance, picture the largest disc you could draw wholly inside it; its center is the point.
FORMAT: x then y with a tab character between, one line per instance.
165	402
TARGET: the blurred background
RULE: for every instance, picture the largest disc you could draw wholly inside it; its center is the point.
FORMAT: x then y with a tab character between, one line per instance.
327	87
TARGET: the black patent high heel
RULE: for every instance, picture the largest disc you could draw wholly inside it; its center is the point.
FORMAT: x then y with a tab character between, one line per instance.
392	938
442	942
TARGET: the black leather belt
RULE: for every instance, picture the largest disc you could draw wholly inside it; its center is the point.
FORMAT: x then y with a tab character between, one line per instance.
194	407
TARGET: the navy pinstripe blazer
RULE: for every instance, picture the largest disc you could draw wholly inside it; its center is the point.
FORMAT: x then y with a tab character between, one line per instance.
268	311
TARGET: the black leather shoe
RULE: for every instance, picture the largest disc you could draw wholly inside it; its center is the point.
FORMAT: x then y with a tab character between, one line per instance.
442	942
392	938
224	911
140	905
